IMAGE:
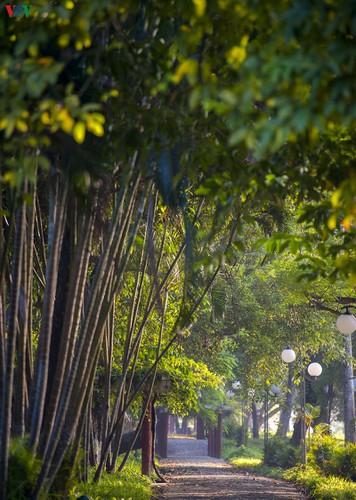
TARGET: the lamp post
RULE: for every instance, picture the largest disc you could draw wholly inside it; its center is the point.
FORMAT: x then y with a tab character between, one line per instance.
346	324
314	370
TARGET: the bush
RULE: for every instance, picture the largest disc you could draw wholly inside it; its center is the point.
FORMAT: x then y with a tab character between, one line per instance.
333	457
241	435
233	430
345	458
23	470
280	453
335	487
322	453
230	426
320	487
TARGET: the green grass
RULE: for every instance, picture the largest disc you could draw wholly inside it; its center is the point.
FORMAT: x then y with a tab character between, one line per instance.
126	485
249	458
254	449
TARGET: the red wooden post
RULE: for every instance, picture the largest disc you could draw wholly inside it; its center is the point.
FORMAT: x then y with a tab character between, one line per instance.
213	442
200	428
146	461
162	434
219	437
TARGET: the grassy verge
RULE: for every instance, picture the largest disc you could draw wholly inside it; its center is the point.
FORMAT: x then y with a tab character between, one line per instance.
126	485
249	458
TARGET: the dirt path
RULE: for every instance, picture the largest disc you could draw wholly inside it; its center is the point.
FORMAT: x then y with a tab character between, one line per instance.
191	474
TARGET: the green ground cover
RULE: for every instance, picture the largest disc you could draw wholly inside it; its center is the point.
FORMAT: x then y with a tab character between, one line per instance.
249	457
320	486
126	485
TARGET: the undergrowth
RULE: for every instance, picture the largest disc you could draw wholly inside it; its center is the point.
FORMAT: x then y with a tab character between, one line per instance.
126	485
331	470
319	486
329	475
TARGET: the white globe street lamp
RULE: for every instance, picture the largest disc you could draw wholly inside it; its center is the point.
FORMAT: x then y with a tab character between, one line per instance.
288	355
346	323
315	369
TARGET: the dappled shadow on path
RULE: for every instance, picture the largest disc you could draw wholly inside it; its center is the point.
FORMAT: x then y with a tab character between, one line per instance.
191	475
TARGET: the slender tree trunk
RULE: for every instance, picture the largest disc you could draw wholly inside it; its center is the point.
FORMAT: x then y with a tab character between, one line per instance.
29	286
255	430
55	236
283	426
349	397
72	317
147	440
108	351
6	414
58	313
331	394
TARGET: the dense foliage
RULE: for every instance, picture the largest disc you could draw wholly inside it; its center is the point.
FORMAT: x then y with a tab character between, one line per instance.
143	146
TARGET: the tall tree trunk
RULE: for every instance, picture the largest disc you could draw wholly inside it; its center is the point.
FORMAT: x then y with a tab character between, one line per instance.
55	235
147	440
8	380
349	396
283	426
58	313
2	302
255	430
74	306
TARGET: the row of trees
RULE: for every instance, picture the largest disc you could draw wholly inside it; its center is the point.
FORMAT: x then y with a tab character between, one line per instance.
259	306
136	141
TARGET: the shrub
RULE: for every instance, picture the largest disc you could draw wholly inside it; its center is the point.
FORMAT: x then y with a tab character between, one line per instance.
345	458
305	476
241	435
322	453
23	470
320	487
234	430
333	457
280	453
335	487
230	426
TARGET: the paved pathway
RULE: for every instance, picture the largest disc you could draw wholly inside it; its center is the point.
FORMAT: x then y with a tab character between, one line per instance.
191	475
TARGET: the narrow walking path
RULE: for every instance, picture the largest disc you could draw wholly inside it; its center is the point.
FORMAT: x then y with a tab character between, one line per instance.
191	474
